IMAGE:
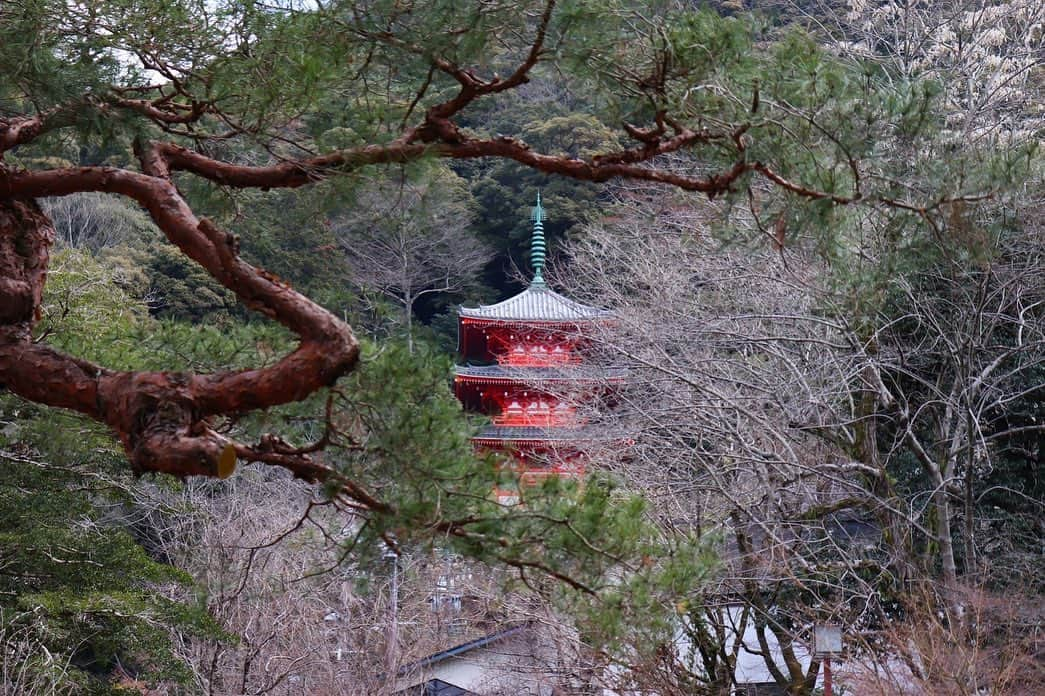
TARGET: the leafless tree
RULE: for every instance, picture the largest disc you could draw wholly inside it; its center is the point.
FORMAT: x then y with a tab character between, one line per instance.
997	651
763	411
969	348
93	221
27	668
984	55
406	239
270	559
721	346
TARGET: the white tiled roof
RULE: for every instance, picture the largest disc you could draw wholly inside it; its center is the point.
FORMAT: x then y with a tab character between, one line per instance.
536	304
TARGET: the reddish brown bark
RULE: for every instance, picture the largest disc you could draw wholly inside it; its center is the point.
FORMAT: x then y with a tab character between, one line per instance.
26	368
24	254
162	418
627	164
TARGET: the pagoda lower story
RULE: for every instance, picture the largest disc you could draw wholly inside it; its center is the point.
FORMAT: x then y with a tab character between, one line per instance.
525	367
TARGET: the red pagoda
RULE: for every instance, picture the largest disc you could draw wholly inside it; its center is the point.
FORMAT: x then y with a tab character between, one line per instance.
524	366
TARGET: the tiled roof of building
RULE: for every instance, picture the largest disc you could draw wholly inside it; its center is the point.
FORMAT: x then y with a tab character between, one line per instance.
435	687
463	648
536	303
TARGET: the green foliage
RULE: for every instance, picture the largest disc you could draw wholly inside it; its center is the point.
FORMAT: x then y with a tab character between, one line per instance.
615	570
506	191
180	288
74	579
706	45
157	274
37	51
417	451
309	78
77	579
86	313
287	233
286	59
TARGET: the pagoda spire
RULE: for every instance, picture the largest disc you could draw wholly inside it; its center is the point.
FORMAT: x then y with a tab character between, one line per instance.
537	247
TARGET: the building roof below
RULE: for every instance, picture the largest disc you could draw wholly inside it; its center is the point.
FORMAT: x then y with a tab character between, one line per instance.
480	642
435	687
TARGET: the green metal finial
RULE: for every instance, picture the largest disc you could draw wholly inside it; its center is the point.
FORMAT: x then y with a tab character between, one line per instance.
537	247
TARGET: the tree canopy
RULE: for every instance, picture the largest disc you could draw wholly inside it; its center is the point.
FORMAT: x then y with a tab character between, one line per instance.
167	162
243	95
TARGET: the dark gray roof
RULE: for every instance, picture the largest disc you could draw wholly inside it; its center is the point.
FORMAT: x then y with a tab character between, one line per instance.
536	303
463	648
435	687
568	373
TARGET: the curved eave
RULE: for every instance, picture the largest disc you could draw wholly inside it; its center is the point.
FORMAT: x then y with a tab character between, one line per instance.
502	442
473	379
558	324
570	373
520	443
536	303
565	436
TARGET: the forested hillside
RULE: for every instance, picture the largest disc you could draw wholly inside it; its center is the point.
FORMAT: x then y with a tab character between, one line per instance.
233	239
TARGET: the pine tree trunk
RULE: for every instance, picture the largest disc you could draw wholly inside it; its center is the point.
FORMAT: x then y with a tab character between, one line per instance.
26	236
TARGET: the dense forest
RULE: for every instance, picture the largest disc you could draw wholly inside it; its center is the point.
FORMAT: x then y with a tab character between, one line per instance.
234	236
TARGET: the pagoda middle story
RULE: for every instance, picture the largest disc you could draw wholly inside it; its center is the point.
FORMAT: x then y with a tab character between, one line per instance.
526	367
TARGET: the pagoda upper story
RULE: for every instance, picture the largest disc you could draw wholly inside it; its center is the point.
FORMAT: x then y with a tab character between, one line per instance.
537	328
526	367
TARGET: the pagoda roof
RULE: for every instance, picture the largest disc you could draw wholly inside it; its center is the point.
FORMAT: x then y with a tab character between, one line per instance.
508	373
536	303
526	433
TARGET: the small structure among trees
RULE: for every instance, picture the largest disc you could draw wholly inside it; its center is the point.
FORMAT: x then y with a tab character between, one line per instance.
524	361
